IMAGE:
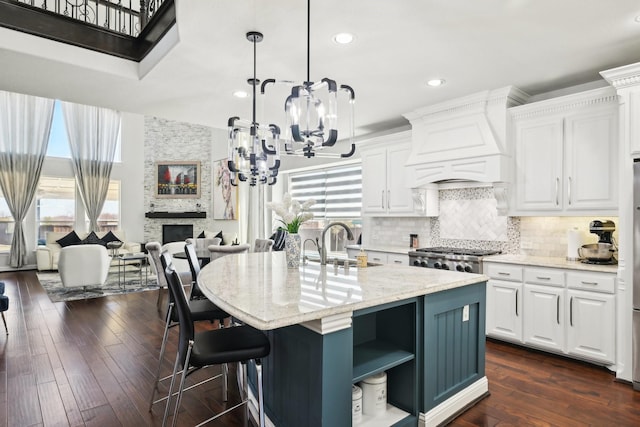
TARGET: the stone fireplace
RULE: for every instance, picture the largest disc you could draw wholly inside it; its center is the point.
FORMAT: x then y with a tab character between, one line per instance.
176	232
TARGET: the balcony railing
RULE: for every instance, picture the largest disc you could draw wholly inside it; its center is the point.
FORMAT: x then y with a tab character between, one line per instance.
124	17
127	29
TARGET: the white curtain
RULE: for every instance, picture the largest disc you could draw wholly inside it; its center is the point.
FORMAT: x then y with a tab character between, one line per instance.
93	136
25	122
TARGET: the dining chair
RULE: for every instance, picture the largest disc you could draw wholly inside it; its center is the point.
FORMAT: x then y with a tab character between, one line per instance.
153	251
181	265
220	251
213	347
194	266
263	245
201	310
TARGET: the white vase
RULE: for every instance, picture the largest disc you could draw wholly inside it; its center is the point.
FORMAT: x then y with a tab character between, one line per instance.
292	249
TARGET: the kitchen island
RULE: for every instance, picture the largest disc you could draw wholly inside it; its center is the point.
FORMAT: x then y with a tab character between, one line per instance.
331	327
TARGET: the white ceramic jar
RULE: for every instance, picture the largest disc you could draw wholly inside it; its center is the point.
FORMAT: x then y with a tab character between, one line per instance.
374	394
356	404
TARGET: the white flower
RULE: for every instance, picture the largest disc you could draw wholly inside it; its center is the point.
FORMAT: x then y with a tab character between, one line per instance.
308	203
295	207
291	212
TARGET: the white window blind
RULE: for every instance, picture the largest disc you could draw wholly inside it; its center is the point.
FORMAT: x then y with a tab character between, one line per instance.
337	191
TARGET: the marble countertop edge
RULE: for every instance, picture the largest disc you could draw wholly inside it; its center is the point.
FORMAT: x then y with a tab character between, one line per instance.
553	262
262	324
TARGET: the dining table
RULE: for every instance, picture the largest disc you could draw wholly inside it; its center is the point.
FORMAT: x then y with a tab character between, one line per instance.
203	254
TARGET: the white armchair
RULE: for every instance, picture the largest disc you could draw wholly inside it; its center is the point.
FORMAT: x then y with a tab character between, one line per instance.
83	265
47	255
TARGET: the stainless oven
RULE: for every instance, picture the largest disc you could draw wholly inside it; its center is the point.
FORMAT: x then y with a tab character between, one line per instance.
454	259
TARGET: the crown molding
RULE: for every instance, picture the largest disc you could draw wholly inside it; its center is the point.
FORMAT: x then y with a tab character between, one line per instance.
623	77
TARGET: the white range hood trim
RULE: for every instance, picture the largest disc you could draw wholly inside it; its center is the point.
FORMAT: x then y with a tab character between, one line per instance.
463	139
487	169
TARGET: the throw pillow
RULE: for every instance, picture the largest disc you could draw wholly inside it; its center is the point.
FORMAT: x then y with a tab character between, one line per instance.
222	242
68	240
93	239
110	237
278	239
201	235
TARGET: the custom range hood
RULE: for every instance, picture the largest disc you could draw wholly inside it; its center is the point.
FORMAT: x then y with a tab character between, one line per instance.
464	139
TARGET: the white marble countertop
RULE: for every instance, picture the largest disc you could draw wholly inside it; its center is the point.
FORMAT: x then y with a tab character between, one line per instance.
557	262
383	248
258	289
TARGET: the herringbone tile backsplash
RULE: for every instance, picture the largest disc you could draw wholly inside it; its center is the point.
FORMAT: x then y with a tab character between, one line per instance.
472	220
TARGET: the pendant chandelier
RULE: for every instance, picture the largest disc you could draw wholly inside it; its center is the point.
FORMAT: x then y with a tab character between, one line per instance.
312	113
254	153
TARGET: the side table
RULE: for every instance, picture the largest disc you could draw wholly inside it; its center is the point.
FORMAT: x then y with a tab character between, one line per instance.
129	259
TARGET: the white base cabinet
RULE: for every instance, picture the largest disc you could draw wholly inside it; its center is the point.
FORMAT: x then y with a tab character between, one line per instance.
543	317
381	257
569	312
504	302
591	325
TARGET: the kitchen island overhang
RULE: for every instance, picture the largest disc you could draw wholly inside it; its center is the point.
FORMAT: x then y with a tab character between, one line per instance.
331	327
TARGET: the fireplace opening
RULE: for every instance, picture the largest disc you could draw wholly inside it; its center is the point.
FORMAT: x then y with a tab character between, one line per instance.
176	232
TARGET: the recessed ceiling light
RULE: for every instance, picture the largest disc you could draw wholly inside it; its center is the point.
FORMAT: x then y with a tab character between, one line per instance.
343	38
240	94
436	82
637	19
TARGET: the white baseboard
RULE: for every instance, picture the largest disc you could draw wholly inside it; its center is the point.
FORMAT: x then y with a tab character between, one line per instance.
454	404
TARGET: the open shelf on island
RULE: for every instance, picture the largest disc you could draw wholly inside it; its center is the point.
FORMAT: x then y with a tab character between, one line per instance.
389	418
376	356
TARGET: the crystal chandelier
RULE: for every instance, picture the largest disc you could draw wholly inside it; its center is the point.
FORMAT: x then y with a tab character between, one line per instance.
254	153
312	113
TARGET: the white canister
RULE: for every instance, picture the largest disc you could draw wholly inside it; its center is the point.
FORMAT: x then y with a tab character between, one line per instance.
374	394
356	404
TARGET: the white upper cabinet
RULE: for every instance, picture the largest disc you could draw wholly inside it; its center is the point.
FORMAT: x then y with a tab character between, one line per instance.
539	158
384	189
566	152
374	181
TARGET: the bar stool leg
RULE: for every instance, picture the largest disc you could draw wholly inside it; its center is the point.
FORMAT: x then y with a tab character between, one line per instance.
260	394
5	323
245	388
167	325
225	373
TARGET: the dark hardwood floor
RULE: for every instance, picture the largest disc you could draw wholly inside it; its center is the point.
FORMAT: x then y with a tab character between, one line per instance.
92	363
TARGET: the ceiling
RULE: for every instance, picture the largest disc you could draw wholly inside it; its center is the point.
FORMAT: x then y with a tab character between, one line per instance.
535	45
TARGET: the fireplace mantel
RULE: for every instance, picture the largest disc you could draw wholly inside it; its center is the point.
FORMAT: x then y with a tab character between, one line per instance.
167	214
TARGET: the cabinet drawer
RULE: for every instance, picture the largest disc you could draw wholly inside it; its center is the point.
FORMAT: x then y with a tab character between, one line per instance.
379	257
592	282
398	259
544	276
503	272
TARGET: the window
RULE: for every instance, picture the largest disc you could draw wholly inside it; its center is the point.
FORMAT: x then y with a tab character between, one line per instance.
338	195
6	225
59	140
55	205
109	218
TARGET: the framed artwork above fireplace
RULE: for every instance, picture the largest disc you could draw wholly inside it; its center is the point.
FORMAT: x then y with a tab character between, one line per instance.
178	180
